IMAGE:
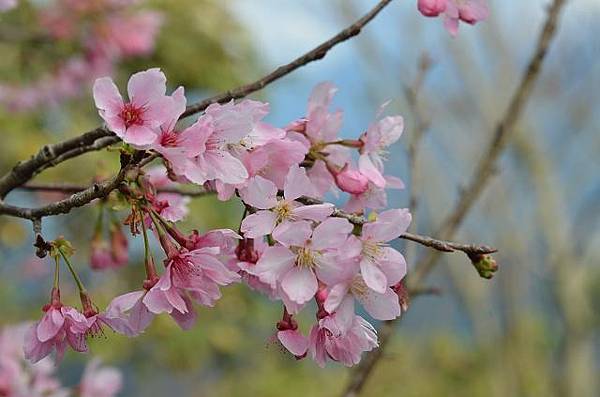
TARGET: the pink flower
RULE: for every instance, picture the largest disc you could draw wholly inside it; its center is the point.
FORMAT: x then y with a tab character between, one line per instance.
100	381
101	256
131	35
432	8
342	336
304	253
171	206
127	314
380	265
293	341
60	326
378	137
136	122
374	197
274	213
199	273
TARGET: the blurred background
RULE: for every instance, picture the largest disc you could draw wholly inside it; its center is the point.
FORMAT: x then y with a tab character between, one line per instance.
531	331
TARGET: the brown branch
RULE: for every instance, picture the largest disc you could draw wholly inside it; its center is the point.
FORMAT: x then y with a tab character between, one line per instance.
485	169
504	131
68	188
51	155
440	245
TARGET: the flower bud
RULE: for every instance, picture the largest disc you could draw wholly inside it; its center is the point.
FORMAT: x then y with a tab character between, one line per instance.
485	265
351	181
119	245
431	8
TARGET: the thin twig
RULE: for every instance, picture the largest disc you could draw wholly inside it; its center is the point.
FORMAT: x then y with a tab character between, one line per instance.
484	170
67	188
51	155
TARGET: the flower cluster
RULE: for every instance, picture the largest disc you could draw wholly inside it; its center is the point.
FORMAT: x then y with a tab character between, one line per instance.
19	378
105	32
454	11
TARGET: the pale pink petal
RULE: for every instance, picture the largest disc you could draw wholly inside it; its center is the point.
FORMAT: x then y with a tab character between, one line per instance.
258	224
297	184
139	135
260	193
317	212
294	341
107	96
367	168
50	324
388	226
321	178
273	264
300	284
373	276
321	96
145	87
188	319
293	233
393	265
226	167
332	233
381	306
335	297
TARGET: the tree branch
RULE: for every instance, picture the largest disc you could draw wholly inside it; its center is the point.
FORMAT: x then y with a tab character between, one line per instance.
51	155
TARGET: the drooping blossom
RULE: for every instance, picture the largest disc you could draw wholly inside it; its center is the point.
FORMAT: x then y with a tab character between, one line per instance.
341	336
274	213
61	326
101	256
303	253
98	381
127	314
137	122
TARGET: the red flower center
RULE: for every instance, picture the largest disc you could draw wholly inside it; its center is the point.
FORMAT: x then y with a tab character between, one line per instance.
131	115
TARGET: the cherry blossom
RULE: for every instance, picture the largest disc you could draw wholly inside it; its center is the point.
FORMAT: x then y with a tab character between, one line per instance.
454	11
274	213
138	121
100	381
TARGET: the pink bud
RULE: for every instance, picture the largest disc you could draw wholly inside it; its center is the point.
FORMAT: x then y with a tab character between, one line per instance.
351	181
431	8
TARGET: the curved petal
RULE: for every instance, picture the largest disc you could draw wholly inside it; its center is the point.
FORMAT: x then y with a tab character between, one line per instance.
107	96
293	233
388	226
294	341
373	276
297	184
300	284
258	224
50	324
273	264
335	297
145	87
139	135
393	265
381	306
332	233
367	168
316	212
260	193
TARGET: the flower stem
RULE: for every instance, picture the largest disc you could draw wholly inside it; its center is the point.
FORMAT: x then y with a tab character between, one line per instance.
56	273
73	273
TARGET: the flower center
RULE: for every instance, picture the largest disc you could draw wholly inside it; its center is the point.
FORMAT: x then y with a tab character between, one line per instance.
358	286
169	139
372	249
283	210
131	115
306	258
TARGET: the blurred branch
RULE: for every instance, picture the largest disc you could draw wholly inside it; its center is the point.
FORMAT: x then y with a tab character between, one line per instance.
67	188
484	171
101	137
504	130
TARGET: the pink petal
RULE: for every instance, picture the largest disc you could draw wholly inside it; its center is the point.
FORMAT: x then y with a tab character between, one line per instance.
293	233
273	264
147	86
300	284
258	224
139	135
388	226
297	184
367	168
332	233
335	297
393	265
156	301
381	306
226	167
373	276
107	96
188	319
50	324
294	341
321	96
317	212
260	193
